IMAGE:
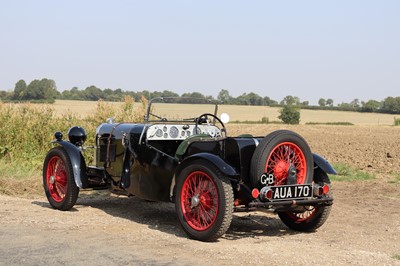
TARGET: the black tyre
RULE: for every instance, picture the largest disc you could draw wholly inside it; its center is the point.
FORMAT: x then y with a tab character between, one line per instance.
308	218
58	180
285	156
204	201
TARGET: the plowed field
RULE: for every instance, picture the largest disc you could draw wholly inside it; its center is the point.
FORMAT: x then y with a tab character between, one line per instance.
369	148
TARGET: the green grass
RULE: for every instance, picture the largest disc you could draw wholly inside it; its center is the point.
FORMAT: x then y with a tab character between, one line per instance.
254	122
396	178
397	121
20	178
264	120
349	173
331	123
396	256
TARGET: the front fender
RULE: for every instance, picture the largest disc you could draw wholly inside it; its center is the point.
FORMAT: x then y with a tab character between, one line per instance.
77	162
324	164
215	160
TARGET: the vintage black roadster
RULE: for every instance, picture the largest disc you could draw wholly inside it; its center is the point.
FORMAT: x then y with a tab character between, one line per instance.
195	164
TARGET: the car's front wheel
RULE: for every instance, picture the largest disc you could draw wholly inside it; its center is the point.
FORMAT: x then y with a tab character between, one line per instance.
204	201
58	180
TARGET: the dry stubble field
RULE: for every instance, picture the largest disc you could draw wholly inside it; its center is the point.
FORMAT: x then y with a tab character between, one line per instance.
363	228
240	113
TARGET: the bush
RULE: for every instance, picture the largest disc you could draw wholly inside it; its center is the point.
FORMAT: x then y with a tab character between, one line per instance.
289	115
264	120
397	121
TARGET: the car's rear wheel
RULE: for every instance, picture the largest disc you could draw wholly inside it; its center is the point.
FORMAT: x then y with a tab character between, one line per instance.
308	218
204	201
58	180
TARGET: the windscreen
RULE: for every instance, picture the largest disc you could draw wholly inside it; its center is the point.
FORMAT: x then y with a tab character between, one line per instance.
178	109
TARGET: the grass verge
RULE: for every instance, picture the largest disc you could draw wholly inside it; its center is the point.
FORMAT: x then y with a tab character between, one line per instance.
349	173
331	123
18	179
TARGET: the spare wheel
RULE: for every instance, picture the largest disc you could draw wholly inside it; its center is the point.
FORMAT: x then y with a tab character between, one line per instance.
282	158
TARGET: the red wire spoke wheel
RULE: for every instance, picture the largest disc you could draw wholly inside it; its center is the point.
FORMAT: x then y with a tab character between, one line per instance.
204	201
58	180
284	156
300	217
199	200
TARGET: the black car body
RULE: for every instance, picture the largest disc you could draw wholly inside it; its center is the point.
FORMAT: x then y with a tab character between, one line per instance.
193	163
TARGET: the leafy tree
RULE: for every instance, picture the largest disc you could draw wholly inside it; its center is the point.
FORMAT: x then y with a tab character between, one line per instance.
329	102
164	93
5	96
255	99
241	99
32	91
49	89
192	95
155	94
305	103
93	93
224	97
76	94
290	100
167	93
346	106
355	103
289	115
391	105
371	106
268	101
44	89
322	102
20	90
250	99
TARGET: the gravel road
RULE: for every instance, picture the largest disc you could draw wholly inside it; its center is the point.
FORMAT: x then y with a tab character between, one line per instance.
363	229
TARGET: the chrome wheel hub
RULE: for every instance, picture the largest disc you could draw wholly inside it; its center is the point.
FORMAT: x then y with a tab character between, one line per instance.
195	202
52	179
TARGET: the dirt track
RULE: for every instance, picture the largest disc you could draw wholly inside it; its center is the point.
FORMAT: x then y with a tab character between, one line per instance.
363	228
104	230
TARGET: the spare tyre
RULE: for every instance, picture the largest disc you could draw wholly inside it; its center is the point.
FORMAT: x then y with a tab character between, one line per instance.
282	158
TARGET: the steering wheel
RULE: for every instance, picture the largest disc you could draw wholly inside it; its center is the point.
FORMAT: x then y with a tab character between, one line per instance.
204	118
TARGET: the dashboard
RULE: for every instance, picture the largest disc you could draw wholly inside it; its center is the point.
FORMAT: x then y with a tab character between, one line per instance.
180	132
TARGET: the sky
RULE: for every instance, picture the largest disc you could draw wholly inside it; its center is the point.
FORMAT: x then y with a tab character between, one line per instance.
310	49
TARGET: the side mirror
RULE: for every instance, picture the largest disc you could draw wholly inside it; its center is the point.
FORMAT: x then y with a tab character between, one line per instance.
225	118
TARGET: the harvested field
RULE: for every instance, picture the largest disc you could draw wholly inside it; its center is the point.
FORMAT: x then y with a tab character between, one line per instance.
240	113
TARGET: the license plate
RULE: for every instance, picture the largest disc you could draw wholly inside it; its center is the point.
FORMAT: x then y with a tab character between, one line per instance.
291	192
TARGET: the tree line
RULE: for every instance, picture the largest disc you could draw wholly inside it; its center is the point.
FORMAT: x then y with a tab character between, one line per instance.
45	90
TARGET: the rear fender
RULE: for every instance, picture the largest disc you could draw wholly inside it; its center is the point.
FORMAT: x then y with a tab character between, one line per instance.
77	162
322	163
